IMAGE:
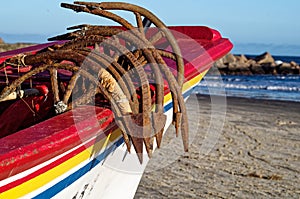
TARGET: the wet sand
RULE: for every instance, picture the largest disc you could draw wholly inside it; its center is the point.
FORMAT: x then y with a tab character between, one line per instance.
255	155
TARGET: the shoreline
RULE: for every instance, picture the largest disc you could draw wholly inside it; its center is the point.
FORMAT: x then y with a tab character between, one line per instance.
235	99
268	87
256	154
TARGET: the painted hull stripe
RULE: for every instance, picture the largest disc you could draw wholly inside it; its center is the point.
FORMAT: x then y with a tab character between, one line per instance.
75	176
79	173
57	162
96	161
59	167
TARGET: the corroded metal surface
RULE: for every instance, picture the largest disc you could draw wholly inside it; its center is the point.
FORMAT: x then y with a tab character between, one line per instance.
128	57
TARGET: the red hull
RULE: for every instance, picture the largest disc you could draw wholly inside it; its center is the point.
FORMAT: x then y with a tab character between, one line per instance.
31	146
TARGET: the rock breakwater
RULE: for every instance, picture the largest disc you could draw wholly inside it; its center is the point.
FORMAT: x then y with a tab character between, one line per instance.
262	64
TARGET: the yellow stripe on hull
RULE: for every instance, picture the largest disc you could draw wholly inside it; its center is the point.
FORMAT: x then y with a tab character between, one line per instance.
66	166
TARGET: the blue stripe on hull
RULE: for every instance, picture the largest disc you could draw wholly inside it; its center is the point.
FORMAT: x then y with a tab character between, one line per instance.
55	189
82	171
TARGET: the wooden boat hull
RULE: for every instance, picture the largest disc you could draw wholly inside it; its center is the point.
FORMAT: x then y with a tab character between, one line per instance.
95	167
64	157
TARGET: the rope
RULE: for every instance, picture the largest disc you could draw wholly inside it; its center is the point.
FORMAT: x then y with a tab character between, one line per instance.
6	77
31	109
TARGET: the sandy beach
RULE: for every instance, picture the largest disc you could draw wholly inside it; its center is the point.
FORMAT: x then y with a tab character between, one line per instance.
255	155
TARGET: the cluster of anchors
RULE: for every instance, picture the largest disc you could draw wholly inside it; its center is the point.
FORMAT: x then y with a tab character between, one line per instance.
119	59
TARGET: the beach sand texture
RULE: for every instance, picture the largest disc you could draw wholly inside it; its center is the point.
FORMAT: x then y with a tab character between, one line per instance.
256	155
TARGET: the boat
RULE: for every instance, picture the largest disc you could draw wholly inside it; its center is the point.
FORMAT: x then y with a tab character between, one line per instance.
81	119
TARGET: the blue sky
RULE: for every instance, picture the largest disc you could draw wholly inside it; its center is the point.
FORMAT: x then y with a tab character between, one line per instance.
268	22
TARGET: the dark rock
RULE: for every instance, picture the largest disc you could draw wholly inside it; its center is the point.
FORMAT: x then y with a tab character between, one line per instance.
257	69
246	72
274	72
269	68
264	58
214	70
285	69
293	63
223	72
239	69
229	58
285	65
251	62
244	66
262	64
241	59
238	66
219	64
232	66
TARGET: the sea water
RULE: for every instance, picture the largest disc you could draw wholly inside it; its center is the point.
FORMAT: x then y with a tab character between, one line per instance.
285	88
273	87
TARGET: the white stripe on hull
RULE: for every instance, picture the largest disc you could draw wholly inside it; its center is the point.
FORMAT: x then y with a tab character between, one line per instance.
115	177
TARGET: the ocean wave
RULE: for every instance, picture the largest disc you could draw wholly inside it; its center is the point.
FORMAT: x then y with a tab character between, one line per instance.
240	78
223	78
256	86
288	77
283	88
249	87
210	77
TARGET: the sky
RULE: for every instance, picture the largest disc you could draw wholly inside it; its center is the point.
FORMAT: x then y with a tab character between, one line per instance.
255	25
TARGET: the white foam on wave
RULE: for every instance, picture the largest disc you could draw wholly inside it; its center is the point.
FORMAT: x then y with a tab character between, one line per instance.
248	87
259	87
283	88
